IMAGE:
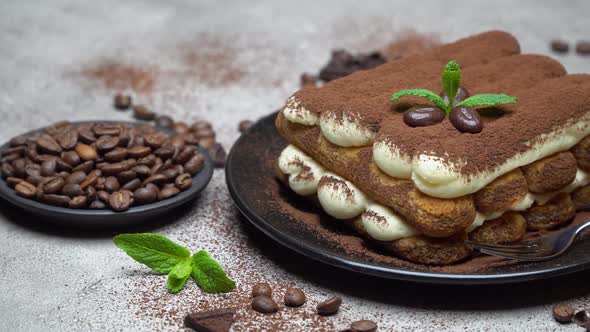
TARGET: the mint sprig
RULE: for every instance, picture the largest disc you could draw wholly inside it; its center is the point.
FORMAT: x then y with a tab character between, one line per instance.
451	81
164	256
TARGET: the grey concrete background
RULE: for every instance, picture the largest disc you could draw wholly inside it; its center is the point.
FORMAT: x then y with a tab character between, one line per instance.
53	279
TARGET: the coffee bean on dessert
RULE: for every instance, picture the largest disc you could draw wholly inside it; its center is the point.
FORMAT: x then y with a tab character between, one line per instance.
421	116
294	297
121	101
363	326
183	181
141	112
97	205
53	185
461	95
330	306
563	313
200	125
168	192
164	121
86	152
560	46
264	305
217	153
25	189
583	47
466	120
146	195
261	289
78	202
308	79
121	200
582	318
111	184
181	128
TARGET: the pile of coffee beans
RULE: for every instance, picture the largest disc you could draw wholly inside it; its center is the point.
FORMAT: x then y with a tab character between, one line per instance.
200	132
100	165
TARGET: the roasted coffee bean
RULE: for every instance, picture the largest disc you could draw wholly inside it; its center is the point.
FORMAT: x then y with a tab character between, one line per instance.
67	138
25	189
581	318
203	134
363	326
126	176
155	140
72	189
62	166
141	112
294	297
122	102
86	135
142	171
177	141
47	144
139	151
170	173
200	125
129	163
7	170
560	46
106	143
76	177
330	306
245	125
96	205
32	169
90	180
462	94
10	157
56	127
164	121
422	116
217	153
112	169
48	167
90	192
19	167
563	313
466	120
71	158
195	164
168	192
183	181
110	129
53	185
111	184
190	139
147	161
34	179
86	152
121	200
18	141
85	167
181	128
165	152
57	200
264	305
132	185
261	289
146	195
185	154
99	185
116	155
156	179
583	47
103	196
78	202
12	181
157	166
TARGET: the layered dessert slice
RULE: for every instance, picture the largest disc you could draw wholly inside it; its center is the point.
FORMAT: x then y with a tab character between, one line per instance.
420	191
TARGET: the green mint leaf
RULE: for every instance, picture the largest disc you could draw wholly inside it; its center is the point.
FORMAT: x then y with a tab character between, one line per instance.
153	250
178	275
433	97
487	100
209	275
451	81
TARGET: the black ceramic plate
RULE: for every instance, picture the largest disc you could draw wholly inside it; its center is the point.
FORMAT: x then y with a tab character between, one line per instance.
106	219
250	178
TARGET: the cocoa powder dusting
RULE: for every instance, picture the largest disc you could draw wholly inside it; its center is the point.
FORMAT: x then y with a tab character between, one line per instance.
117	76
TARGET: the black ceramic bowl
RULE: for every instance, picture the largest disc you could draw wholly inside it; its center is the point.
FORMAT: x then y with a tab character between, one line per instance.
106	219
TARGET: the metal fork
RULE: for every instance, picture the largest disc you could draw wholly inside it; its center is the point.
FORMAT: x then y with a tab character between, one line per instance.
542	248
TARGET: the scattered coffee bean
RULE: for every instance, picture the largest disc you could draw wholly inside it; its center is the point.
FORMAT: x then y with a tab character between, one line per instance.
563	313
168	192
164	121
183	181
581	318
462	94
421	116
121	200
25	189
146	195
78	202
308	79
363	326
217	153
264	304
560	46
122	102
261	289
330	306
294	297
466	120
583	47
141	112
245	125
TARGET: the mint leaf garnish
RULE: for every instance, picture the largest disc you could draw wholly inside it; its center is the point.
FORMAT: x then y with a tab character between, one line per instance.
153	250
451	80
209	275
433	97
487	100
178	275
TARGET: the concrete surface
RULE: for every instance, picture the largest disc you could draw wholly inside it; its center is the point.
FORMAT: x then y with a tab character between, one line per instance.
53	279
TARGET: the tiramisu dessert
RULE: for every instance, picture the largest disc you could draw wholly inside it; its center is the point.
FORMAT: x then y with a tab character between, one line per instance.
500	148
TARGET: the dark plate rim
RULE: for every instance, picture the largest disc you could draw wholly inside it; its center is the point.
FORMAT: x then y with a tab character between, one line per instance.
375	270
203	178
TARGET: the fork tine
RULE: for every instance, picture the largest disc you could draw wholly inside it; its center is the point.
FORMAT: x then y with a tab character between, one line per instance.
511	250
517	246
524	257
